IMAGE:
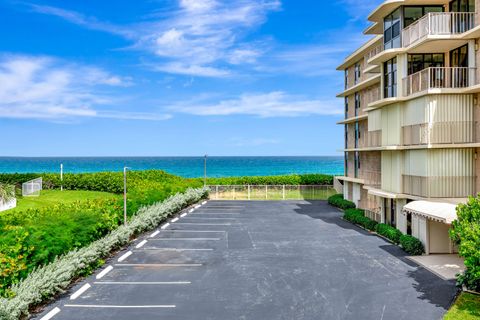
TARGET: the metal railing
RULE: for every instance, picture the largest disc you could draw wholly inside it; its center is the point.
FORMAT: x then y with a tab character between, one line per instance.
372	53
271	192
439	78
439	187
439	133
438	23
370	139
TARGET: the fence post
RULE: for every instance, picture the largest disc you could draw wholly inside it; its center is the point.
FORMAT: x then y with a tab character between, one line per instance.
266	192
283	192
248	188
233	192
216	192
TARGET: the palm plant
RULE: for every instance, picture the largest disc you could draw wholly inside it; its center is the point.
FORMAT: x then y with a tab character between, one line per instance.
7	192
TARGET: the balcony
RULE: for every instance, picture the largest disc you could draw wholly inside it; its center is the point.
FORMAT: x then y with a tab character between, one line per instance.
371	178
452	132
439	78
439	187
438	24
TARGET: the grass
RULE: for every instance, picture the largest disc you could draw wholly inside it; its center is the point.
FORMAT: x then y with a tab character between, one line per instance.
51	197
466	307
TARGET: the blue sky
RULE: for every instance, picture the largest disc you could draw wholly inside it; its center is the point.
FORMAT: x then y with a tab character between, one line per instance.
174	77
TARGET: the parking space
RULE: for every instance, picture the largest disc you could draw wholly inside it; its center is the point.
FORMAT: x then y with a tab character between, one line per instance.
258	260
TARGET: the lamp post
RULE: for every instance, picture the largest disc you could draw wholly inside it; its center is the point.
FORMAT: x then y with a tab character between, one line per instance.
205	171
125	169
61	177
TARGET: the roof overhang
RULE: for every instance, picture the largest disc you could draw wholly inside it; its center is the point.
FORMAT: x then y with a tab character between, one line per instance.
436	211
359	53
388	6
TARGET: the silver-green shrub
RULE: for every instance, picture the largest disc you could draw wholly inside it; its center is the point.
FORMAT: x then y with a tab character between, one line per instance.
53	278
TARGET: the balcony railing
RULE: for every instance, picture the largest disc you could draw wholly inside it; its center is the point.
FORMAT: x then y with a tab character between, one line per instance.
371	178
439	78
439	133
370	139
438	23
439	187
372	53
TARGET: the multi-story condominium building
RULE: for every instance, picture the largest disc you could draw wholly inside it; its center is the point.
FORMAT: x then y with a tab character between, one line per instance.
411	116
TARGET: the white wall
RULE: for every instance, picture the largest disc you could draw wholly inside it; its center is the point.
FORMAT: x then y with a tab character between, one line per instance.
8	205
419	231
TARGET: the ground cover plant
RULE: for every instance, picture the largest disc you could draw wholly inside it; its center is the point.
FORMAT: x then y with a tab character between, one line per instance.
465	232
35	236
466	307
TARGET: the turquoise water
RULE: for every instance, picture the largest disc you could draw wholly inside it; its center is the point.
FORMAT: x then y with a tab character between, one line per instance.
188	167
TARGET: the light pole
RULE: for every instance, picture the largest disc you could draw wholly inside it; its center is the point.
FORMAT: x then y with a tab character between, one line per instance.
205	171
125	169
61	176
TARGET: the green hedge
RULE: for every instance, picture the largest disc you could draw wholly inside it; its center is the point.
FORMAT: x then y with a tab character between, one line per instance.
357	216
338	201
389	232
465	232
411	245
294	179
35	237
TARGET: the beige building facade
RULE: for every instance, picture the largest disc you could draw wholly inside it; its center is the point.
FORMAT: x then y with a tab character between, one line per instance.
412	95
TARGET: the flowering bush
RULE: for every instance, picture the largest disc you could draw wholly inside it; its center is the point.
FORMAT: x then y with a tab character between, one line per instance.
54	277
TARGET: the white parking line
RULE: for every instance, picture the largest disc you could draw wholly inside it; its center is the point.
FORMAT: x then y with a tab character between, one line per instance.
186	239
183	215
50	315
165	226
194	231
197	206
191	210
154	234
104	272
77	294
211	218
175	249
120	307
205	224
174	220
143	283
141	244
204	202
159	264
226	213
125	256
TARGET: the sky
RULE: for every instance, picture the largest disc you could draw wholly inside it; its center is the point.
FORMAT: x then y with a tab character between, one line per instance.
175	77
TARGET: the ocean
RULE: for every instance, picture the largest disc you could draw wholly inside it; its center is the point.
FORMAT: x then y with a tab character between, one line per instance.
188	167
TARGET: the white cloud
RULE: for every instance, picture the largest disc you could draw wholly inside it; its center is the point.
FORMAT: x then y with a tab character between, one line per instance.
265	105
48	88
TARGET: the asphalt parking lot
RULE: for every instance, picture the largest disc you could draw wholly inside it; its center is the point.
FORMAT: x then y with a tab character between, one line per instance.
258	260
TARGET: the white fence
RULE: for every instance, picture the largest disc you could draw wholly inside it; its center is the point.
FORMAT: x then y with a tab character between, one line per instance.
271	192
32	188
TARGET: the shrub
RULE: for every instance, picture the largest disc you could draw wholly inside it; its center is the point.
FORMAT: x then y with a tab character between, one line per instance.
389	232
53	278
357	216
338	201
411	245
294	179
465	232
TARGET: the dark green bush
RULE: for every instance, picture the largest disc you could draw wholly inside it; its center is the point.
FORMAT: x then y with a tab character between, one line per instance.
338	201
357	216
411	245
294	179
389	232
465	232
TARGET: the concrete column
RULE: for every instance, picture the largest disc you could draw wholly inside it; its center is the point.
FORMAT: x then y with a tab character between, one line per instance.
402	72
401	217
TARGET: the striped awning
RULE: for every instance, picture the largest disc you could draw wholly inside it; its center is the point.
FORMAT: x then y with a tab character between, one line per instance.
437	211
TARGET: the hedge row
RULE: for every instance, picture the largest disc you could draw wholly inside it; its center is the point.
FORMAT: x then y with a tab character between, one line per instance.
48	280
295	179
465	232
410	244
338	201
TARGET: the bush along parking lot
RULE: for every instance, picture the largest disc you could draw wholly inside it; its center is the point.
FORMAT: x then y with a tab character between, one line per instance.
50	279
294	179
465	232
35	237
410	244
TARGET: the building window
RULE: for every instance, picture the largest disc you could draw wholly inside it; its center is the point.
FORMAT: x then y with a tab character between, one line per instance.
346	107
358	73
418	62
459	57
392	27
463	23
346	136
357	103
413	13
390	78
462	6
357	134
346	79
346	164
356	163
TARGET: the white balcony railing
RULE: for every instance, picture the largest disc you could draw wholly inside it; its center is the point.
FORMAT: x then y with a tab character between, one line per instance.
439	78
438	23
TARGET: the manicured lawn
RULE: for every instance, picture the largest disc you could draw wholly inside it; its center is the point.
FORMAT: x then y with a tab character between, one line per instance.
467	307
52	197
